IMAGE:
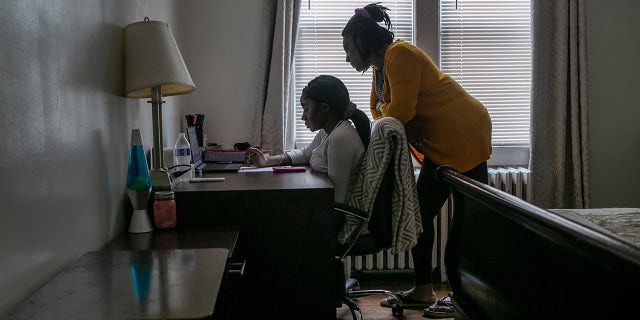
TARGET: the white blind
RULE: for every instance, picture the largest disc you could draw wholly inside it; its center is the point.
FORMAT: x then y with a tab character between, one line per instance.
319	49
486	47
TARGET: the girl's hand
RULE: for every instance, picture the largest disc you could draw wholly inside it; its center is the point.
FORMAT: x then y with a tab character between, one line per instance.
257	157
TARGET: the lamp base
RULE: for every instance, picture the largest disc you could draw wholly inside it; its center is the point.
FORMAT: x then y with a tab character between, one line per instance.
140	222
160	179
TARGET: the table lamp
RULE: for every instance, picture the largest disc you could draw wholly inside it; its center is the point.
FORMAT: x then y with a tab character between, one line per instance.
154	68
138	185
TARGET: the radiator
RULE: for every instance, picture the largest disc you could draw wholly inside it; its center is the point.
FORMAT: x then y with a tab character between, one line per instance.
516	181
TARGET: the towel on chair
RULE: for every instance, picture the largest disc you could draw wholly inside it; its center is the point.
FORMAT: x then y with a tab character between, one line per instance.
388	141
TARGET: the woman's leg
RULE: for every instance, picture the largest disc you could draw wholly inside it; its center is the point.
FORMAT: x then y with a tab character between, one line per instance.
479	173
432	195
443	307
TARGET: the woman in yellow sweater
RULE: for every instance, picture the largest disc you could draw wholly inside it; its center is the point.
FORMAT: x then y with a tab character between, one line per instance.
444	124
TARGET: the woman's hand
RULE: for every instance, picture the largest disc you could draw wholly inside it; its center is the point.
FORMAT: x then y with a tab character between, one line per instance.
415	134
257	157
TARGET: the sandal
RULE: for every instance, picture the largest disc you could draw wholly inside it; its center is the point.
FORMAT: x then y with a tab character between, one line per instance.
443	308
406	300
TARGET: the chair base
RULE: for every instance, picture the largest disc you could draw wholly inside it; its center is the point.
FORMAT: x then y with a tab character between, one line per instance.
356	313
351	293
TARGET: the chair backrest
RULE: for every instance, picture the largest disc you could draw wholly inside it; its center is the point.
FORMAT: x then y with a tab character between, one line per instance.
382	195
379	222
380	227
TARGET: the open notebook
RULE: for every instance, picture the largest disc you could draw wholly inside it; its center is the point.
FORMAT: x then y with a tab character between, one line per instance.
200	165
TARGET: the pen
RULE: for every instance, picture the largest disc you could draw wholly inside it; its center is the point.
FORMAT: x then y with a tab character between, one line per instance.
216	179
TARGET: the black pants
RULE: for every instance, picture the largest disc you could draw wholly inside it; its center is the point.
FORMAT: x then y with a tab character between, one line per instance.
432	195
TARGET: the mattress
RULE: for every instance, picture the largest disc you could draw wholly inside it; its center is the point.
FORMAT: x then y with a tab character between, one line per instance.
622	222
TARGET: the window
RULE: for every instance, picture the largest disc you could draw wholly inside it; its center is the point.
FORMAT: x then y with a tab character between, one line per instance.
319	50
484	45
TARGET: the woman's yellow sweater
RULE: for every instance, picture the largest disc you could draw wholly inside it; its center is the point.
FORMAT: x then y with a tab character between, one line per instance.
457	127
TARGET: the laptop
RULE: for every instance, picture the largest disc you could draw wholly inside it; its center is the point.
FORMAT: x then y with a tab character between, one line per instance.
200	165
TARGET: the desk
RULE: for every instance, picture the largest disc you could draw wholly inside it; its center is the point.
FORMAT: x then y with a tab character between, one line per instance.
111	284
196	237
287	235
187	238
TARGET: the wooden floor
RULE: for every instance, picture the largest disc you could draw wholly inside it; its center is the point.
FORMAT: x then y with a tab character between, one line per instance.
370	306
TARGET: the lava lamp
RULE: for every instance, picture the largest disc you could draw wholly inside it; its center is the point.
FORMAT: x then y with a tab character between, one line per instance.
138	185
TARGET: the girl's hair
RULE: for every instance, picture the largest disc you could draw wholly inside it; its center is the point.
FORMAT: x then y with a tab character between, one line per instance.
367	33
332	91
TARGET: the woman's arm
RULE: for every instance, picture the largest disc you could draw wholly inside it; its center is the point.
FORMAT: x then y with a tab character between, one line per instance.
402	76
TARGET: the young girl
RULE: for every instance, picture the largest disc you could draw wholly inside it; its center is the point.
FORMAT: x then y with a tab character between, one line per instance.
339	144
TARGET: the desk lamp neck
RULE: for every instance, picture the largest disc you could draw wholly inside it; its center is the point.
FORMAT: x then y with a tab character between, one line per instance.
159	176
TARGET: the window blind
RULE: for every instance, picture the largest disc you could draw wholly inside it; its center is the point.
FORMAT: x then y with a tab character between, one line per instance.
486	47
319	50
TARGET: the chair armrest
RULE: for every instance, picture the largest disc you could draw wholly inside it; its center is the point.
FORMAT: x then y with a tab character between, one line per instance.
361	218
348	210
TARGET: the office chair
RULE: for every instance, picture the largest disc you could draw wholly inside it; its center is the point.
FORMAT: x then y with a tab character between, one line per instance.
383	199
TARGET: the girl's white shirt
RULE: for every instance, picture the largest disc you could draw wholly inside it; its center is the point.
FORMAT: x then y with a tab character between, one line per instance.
338	154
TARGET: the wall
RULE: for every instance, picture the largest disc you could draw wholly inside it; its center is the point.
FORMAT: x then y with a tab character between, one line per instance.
223	46
613	67
66	126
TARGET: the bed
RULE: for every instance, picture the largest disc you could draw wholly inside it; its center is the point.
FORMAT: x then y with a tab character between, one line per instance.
616	222
508	259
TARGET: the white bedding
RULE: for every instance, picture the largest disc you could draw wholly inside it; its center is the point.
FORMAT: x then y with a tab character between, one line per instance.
623	222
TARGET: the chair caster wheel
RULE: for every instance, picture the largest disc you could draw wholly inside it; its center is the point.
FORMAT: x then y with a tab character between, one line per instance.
397	311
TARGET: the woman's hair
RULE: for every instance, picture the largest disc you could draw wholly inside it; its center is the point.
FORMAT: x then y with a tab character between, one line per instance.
332	91
366	32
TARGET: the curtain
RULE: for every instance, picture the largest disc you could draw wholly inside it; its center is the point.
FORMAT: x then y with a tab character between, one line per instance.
273	126
559	118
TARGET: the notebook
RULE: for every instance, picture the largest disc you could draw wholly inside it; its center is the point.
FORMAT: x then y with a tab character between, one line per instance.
200	165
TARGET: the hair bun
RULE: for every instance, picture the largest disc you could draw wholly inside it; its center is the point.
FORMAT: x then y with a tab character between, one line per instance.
363	13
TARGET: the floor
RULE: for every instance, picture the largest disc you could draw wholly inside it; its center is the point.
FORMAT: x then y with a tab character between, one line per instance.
370	306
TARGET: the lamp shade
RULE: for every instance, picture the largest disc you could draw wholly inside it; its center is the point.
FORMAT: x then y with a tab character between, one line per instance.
154	59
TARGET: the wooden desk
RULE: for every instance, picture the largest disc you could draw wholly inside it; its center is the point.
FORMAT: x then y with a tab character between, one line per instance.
196	237
185	238
112	284
287	236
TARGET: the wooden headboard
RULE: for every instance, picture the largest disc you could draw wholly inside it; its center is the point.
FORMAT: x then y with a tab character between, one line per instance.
508	259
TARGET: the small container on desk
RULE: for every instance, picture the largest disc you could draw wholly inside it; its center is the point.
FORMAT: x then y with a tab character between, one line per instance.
164	210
